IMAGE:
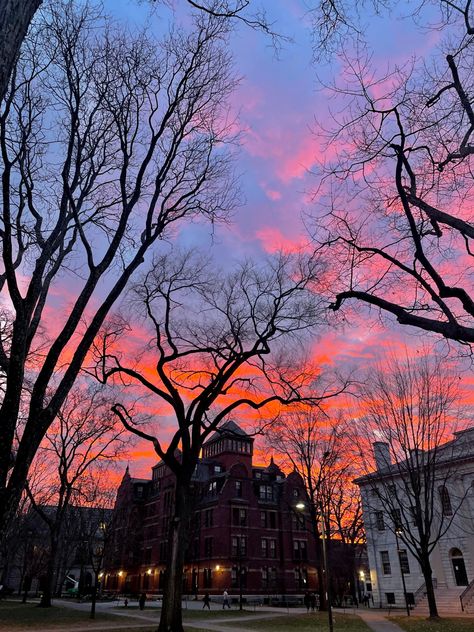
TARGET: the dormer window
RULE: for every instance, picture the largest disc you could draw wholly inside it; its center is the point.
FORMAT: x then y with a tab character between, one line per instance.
217	469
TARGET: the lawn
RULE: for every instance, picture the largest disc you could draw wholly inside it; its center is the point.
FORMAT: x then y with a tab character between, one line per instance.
309	623
419	624
15	616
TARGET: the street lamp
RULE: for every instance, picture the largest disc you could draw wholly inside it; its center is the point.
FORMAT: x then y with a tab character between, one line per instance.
398	532
327	584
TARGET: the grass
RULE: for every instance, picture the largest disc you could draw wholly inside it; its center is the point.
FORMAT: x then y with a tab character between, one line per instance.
420	624
15	616
309	623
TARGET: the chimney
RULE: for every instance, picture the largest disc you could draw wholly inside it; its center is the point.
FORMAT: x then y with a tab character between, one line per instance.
382	454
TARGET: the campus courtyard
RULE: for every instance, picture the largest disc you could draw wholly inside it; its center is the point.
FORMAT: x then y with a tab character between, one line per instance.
69	616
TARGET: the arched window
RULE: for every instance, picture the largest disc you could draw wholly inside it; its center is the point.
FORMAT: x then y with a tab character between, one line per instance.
446	507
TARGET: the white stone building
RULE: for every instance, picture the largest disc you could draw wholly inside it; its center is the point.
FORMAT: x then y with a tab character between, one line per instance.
452	558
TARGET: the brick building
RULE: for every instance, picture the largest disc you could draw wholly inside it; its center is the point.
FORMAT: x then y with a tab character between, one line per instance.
245	528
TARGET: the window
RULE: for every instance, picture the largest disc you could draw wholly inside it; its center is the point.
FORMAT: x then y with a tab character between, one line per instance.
296	493
379	521
264	577
301	578
300	551
238	489
446	507
258	474
390	598
396	518
234	577
263	519
297	522
207	547
385	559
413	514
213	487
272	515
404	564
239	546
266	492
207	577
269	548
139	490
217	469
209	518
239	517
410	598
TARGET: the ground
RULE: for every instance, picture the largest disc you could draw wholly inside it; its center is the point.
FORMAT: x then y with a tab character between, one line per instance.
16	617
417	624
71	616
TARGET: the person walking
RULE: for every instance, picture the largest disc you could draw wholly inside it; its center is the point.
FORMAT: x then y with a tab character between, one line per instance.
206	601
225	601
306	600
141	601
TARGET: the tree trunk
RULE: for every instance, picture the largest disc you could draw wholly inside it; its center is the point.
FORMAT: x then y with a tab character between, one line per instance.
50	576
171	617
15	18
94	598
430	594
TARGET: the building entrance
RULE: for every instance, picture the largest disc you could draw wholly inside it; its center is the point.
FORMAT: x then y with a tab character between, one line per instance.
459	568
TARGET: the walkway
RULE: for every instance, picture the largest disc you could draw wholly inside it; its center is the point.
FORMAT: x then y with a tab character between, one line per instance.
377	621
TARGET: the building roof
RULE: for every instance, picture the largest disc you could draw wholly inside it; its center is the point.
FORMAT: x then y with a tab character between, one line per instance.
228	428
458	449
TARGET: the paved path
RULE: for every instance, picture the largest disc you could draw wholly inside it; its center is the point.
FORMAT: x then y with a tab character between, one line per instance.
377	621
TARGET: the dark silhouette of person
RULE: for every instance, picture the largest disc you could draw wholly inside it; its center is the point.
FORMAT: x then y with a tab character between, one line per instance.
312	601
141	601
206	601
307	600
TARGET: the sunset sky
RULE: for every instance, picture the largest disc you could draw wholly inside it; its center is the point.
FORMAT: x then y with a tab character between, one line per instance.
278	102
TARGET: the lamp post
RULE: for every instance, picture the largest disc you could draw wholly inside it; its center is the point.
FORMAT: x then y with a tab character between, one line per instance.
327	584
398	532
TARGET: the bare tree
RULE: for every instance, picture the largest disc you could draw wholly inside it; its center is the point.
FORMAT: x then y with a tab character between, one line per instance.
96	527
219	344
315	446
399	222
106	139
411	408
85	435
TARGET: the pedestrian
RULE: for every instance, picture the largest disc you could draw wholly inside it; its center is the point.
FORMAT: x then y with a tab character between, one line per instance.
307	600
225	601
206	601
312	600
141	601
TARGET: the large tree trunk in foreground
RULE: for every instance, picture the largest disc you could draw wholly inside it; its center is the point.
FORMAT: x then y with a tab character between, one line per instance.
171	616
15	18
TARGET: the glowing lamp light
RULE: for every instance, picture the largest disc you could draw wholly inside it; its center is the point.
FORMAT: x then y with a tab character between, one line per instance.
149	571
101	575
218	568
362	575
120	573
300	505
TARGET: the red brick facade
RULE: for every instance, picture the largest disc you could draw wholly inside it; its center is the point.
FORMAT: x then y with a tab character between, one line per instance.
245	527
